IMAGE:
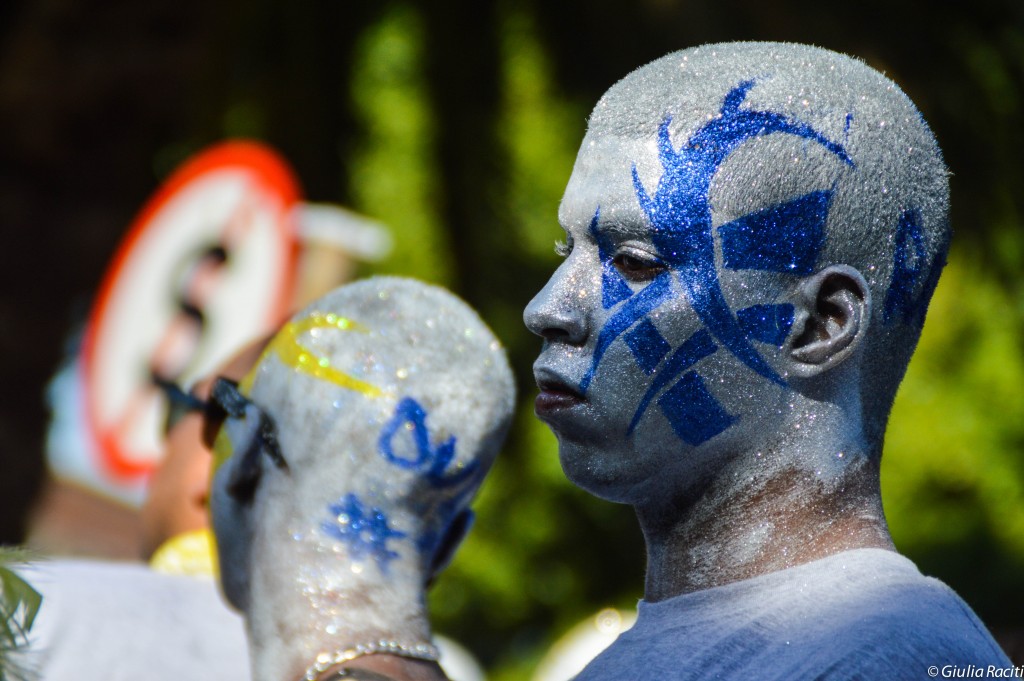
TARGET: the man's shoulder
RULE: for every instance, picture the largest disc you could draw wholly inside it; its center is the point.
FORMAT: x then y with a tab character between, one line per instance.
889	618
902	631
865	615
884	590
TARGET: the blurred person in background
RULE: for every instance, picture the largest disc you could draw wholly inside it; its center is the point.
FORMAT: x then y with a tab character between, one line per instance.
165	620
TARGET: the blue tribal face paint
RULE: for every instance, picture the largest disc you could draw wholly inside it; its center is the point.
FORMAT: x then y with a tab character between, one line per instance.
785	238
656	339
913	278
363	529
389	399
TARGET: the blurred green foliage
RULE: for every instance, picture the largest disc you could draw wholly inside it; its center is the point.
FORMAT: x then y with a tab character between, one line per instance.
953	467
19	605
391	166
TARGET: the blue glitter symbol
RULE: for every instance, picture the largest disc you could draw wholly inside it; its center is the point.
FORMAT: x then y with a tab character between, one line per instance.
648	345
767	323
695	348
614	288
638	306
432	462
680	215
695	415
908	272
785	238
365	531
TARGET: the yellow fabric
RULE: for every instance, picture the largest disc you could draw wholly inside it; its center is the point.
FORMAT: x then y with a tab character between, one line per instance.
189	553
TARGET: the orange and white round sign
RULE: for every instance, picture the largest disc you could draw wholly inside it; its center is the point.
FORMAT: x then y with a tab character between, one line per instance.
208	265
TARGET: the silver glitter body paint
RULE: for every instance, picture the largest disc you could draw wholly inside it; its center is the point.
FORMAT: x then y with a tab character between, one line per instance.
697	362
390	399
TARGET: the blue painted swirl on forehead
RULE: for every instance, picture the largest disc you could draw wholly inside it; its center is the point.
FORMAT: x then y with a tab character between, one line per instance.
680	210
434	463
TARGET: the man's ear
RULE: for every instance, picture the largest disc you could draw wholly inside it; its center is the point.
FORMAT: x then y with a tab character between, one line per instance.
232	527
453	536
245	467
832	312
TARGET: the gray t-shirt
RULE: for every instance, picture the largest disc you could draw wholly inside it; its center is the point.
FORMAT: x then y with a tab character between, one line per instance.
863	614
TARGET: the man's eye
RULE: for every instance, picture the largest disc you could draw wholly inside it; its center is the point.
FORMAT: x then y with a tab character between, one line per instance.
636	268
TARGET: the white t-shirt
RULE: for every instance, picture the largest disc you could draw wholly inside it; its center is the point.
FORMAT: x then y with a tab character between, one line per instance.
863	614
124	622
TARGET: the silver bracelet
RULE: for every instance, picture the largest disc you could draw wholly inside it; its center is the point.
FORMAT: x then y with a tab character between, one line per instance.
418	651
357	675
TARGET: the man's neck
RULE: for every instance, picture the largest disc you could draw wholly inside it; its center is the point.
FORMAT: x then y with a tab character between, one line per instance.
301	609
738	531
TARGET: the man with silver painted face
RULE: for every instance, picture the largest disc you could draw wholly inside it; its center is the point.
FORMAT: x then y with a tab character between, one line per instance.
345	466
752	234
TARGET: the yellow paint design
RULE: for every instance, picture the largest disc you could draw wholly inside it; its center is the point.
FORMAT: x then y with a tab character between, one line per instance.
292	353
288	348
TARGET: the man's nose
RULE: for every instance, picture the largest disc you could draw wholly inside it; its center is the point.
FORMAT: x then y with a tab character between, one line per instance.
559	311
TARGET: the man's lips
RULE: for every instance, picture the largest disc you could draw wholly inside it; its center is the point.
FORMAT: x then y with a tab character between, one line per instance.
555	395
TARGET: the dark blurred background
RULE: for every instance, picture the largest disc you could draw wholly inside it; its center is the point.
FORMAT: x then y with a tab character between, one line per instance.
455	123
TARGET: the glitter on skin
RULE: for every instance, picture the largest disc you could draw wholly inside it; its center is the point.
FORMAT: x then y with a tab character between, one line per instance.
432	462
692	410
634	309
908	271
785	238
648	345
614	288
695	348
767	323
703	507
365	531
292	353
680	211
296	577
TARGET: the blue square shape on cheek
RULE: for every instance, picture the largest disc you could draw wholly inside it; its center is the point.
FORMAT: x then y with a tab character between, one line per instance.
694	413
648	346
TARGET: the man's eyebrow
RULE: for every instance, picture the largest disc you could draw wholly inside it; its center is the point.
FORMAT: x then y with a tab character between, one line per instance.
624	228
